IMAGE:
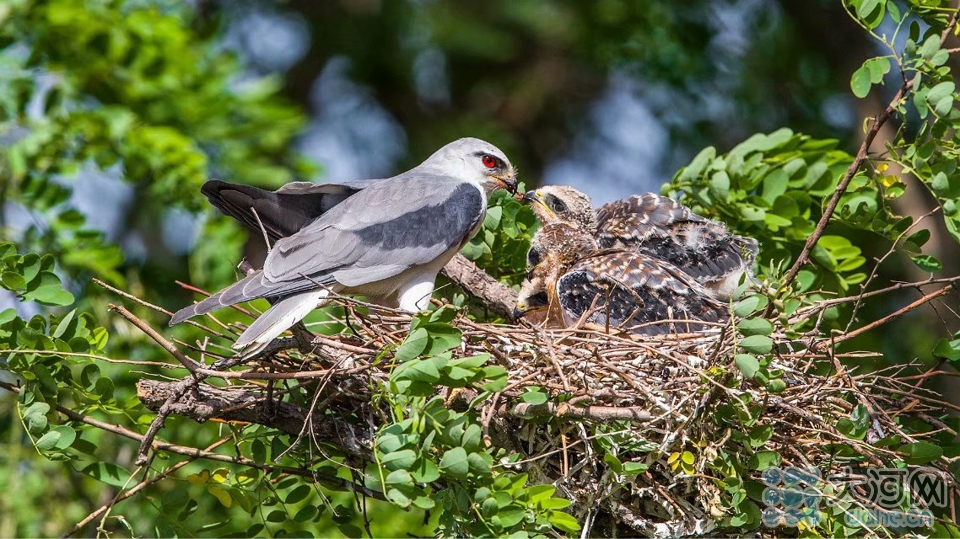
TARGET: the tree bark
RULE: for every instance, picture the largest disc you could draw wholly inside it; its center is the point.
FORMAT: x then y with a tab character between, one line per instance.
206	402
498	297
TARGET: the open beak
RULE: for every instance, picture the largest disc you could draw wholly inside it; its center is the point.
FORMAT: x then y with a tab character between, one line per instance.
533	198
527	311
509	183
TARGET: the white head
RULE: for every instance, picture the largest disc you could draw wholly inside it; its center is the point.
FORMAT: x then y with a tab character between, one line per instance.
476	161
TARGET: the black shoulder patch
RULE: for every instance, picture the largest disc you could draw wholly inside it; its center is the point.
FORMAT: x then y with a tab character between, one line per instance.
445	222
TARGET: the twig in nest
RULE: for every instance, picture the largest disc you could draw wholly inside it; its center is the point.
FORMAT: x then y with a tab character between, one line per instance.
175	395
599	413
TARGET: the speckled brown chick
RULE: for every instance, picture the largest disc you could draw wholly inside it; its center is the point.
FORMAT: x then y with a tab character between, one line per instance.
573	282
657	226
553	249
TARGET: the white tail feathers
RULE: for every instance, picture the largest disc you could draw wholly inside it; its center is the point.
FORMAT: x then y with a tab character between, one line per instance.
278	319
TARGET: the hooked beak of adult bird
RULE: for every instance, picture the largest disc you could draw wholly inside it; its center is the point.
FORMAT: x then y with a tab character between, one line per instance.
533	197
508	181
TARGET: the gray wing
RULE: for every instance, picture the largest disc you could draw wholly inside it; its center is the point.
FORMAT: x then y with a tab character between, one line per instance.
282	212
373	235
381	231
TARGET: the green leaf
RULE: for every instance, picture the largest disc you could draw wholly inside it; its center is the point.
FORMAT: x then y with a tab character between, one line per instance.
425	471
48	290
413	346
307	512
634	468
442	337
48	440
747	306
424	502
534	397
755	326
878	67
927	263
298	494
757	344
511	515
761	460
7	315
418	370
35	418
399	478
921	452
12	281
402	459
498	377
760	434
870	73
747	364
930	46
949	350
455	464
941	97
866	7
108	473
860	82
564	522
554	503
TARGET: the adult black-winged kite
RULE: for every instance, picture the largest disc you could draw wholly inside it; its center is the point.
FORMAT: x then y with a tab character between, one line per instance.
385	239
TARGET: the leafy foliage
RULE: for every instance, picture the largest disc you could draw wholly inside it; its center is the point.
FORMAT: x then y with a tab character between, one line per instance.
500	248
428	441
103	85
774	187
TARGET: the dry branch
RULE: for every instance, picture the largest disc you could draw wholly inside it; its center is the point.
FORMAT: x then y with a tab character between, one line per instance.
858	161
500	299
568	411
237	405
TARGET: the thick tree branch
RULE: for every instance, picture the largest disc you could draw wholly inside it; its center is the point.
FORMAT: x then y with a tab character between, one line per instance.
497	297
208	402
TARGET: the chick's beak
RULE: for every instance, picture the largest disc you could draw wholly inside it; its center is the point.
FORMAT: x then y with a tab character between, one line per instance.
533	198
519	311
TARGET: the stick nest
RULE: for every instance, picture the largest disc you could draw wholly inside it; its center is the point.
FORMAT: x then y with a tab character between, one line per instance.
634	428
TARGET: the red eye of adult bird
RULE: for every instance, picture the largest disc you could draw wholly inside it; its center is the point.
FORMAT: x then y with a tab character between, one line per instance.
489	161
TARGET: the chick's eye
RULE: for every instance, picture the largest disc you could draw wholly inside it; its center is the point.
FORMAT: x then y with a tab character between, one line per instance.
558	205
489	161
